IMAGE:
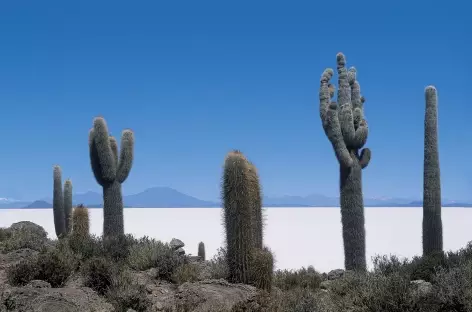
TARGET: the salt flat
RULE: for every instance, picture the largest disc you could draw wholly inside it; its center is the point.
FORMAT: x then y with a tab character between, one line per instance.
298	236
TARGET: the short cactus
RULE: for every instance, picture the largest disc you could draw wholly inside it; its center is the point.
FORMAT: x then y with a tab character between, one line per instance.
110	171
262	268
347	130
257	210
237	212
68	205
432	223
58	203
80	221
201	251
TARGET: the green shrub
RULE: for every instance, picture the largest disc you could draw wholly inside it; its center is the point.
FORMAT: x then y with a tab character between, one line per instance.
187	272
218	265
454	288
98	274
23	272
5	234
124	293
25	238
303	278
388	265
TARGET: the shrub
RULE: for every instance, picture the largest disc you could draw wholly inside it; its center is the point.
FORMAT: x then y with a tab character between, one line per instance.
262	268
454	288
187	272
125	294
4	234
388	265
303	278
425	268
149	253
118	248
98	273
24	238
218	266
53	266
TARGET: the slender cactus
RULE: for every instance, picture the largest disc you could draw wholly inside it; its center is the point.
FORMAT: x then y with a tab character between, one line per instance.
237	214
257	210
347	130
432	224
110	171
68	205
201	251
58	203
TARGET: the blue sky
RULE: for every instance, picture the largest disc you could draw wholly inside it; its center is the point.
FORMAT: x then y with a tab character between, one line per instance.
197	79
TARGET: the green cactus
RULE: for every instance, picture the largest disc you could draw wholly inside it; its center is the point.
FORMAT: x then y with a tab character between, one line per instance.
347	130
432	224
80	221
257	210
58	203
262	268
111	171
201	251
237	212
68	204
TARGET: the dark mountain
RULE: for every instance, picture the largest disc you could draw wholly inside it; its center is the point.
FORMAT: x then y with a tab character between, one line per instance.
165	197
39	204
13	204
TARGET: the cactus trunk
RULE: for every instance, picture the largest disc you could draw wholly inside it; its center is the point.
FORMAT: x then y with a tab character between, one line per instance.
432	223
68	205
352	216
113	221
58	203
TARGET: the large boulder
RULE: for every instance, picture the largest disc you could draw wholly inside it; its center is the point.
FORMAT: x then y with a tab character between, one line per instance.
44	299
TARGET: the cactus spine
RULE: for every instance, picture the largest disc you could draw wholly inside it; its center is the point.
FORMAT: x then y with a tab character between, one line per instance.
201	251
256	196
262	269
80	221
432	224
237	212
58	203
68	205
110	171
347	130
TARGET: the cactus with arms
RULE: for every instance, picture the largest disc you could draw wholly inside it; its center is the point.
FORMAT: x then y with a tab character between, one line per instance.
58	203
347	130
432	224
110	171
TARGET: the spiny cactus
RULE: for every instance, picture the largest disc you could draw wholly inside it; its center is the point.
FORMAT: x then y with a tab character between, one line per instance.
237	211
262	268
432	224
201	251
111	171
347	130
68	204
257	210
80	221
58	203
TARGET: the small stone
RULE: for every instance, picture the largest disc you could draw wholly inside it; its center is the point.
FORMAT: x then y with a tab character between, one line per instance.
176	243
180	251
421	287
335	274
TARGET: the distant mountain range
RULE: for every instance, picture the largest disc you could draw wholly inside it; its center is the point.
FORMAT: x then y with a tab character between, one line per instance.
165	197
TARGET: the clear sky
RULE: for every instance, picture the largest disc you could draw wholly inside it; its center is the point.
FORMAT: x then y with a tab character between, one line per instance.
195	79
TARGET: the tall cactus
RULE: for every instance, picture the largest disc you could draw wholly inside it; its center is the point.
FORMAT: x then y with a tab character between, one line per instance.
237	212
432	224
257	210
80	221
347	130
110	171
201	251
58	203
68	205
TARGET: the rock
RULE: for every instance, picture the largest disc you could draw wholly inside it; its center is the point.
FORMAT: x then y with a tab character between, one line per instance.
421	288
335	274
213	295
176	244
52	300
180	251
38	284
29	227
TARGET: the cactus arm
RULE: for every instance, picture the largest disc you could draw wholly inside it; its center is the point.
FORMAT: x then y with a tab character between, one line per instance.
94	160
104	152
346	119
114	148
58	202
126	155
68	205
330	121
364	159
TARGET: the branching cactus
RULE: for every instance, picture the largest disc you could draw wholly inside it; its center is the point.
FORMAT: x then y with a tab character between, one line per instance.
257	210
68	204
110	171
58	203
347	130
237	211
201	251
432	224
